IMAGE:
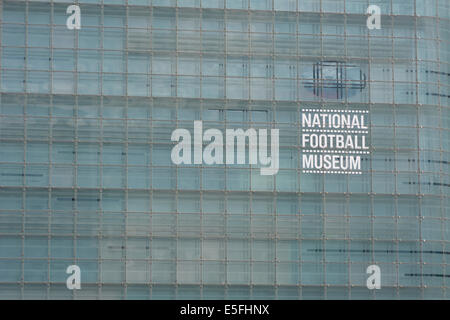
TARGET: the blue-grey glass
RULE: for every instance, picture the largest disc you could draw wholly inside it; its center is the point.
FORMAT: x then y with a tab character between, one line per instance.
86	175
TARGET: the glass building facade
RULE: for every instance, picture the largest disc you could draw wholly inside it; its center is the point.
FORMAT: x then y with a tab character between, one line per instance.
86	176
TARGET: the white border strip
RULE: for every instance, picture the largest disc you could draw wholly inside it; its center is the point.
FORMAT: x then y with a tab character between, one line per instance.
336	151
331	110
335	131
333	172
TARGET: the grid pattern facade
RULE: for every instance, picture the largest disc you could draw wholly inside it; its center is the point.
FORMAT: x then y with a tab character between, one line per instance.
86	178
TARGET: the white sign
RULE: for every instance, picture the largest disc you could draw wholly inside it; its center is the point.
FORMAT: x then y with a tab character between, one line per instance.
334	140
